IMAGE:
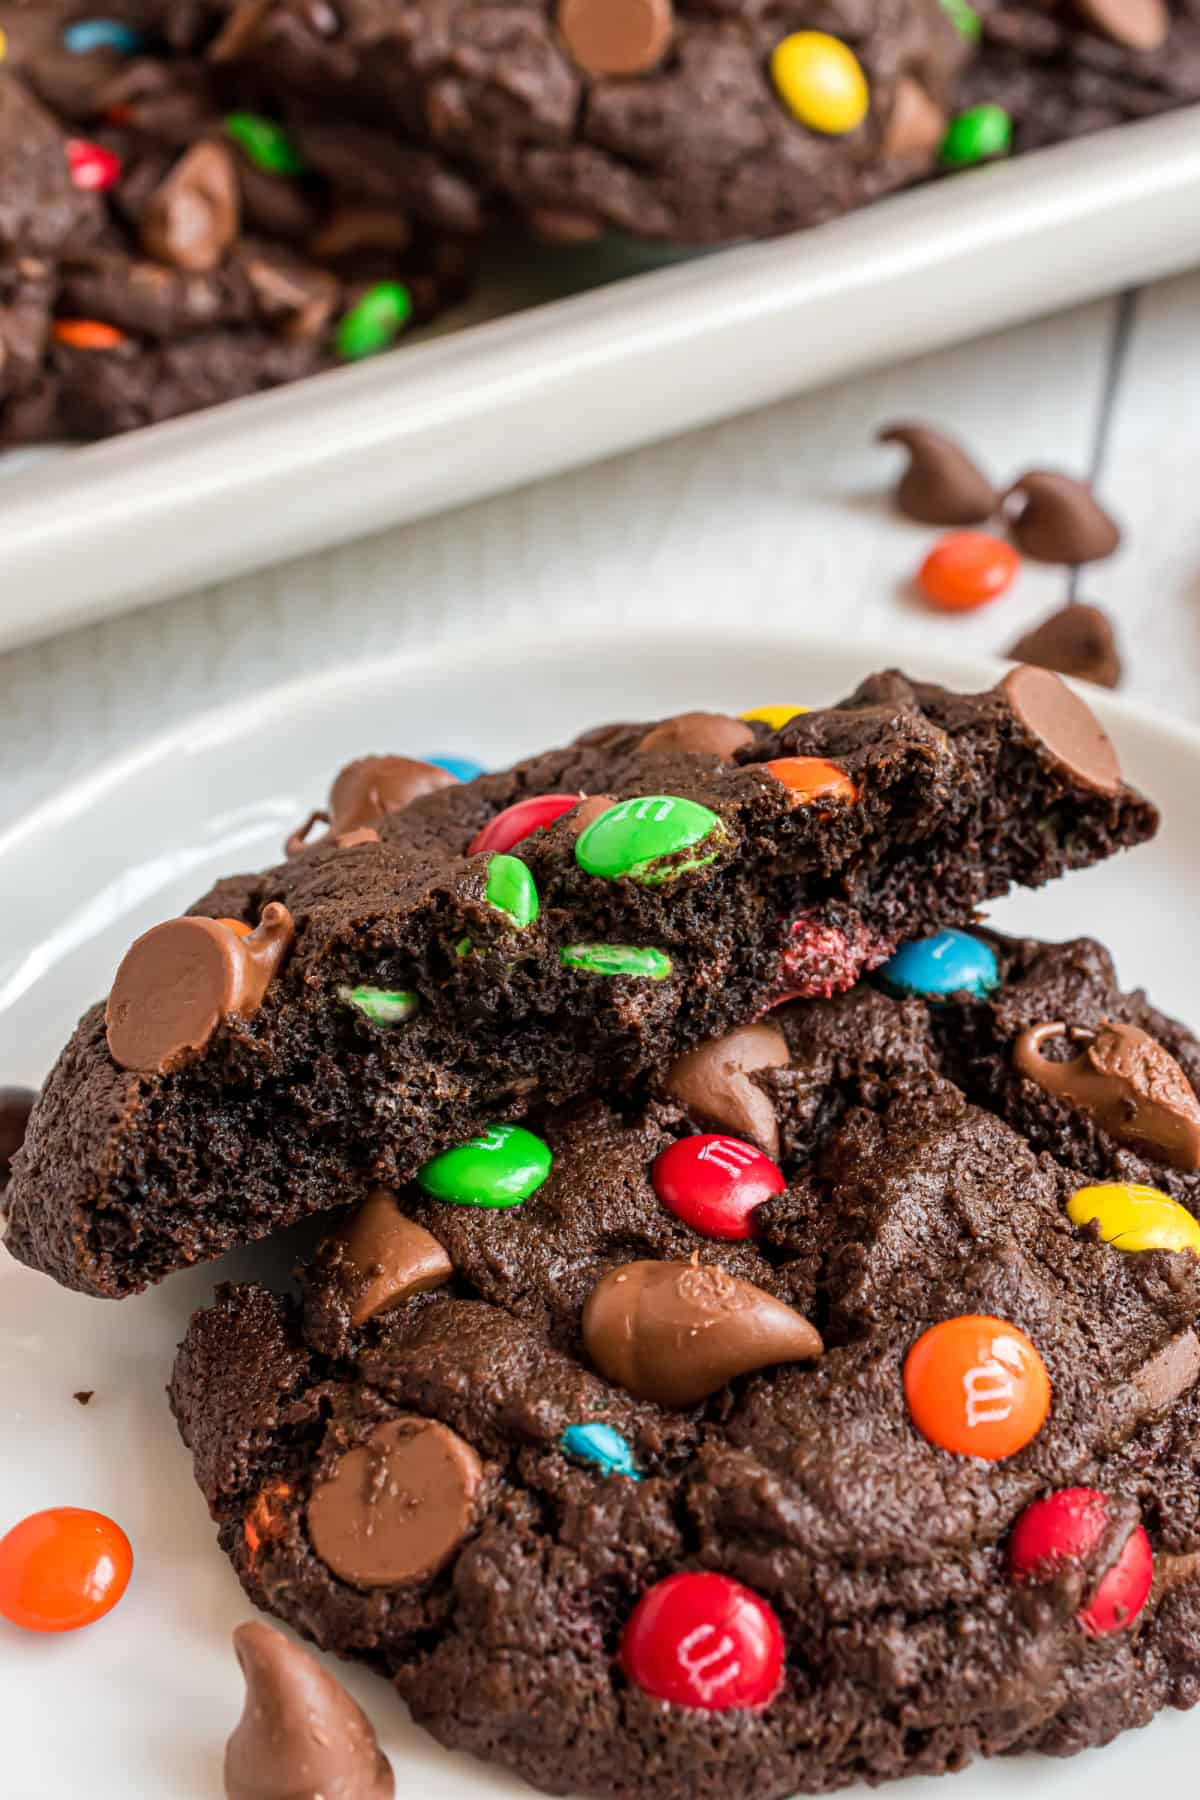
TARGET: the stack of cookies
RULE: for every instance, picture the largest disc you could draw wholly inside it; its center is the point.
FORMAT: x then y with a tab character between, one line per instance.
753	1340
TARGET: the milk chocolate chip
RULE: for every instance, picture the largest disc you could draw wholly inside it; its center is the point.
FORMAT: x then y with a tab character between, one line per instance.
16	1104
1127	1082
181	979
941	485
394	1512
917	125
1167	1375
715	1084
192	219
710	734
1134	24
375	785
300	1736
385	1257
1060	520
674	1332
616	37
1078	640
589	809
1063	725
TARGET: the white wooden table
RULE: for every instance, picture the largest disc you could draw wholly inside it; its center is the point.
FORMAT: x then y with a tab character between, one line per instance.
779	515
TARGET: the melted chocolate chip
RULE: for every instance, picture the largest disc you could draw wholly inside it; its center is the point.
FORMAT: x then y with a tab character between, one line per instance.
616	37
375	785
715	1083
1068	732
917	126
675	1332
1127	1082
385	1257
707	734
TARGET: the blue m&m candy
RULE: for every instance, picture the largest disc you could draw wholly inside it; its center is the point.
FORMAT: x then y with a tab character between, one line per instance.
461	767
601	1445
934	968
86	35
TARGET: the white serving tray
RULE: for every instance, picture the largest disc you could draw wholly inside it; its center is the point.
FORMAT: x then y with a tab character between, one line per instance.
526	382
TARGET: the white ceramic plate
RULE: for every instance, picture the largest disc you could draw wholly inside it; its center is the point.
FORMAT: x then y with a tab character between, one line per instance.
526	383
141	1704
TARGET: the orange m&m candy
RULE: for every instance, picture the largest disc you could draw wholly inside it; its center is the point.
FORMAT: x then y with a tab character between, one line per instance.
811	778
63	1568
967	569
976	1386
87	334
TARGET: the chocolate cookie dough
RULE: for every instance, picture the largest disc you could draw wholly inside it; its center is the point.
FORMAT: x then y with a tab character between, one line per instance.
704	891
941	1507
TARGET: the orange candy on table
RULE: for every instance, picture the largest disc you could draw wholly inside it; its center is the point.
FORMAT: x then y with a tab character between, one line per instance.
966	569
976	1386
63	1568
811	778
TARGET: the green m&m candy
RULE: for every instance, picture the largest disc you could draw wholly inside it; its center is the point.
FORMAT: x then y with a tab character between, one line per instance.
511	890
641	839
375	322
266	144
383	1006
500	1167
963	17
975	136
617	959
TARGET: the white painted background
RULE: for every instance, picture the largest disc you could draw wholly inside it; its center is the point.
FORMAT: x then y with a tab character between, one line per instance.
779	516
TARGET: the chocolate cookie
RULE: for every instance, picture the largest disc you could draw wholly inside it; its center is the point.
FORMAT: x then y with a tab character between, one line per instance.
889	1470
702	892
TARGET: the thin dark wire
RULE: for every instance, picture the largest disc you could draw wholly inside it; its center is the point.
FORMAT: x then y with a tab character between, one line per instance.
1118	356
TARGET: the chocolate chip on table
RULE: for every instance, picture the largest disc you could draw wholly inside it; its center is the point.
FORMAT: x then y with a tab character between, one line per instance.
16	1104
941	485
1060	520
1077	640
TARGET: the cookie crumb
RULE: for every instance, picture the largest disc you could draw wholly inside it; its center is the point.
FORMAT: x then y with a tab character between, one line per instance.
83	1395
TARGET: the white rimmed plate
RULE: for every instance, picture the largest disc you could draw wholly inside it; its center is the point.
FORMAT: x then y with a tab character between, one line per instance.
140	1705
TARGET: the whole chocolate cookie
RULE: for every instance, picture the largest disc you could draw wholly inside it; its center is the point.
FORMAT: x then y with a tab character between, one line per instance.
889	1470
689	892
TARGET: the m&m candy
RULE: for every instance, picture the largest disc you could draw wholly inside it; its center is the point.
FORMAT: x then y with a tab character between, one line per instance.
86	35
1132	1217
520	820
92	167
714	1183
965	570
703	1640
463	768
511	890
976	136
63	1568
500	1167
976	1386
648	839
1067	1527
812	778
774	716
963	17
639	960
383	1006
602	1446
821	82
87	334
935	968
266	144
375	322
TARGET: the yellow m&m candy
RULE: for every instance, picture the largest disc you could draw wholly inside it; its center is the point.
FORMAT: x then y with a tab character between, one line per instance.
774	716
820	80
1133	1217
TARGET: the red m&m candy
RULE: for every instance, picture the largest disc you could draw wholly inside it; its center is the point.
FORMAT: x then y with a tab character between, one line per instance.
966	570
520	819
92	166
714	1183
703	1640
1066	1527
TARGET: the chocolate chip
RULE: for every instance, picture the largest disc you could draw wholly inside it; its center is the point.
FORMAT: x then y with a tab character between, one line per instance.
1060	520
554	226
181	979
941	485
393	1512
705	734
385	1257
1167	1375
375	785
1134	24
675	1332
917	124
192	218
715	1083
1067	731
84	1395
1077	640
300	1733
1127	1082
589	809
294	300
16	1104
353	228
616	37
